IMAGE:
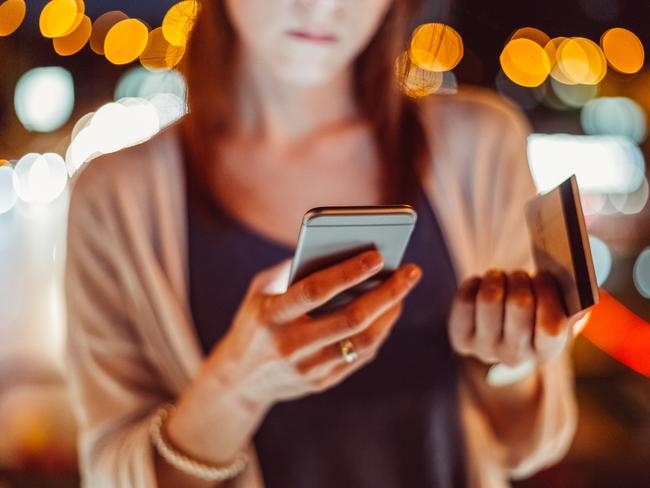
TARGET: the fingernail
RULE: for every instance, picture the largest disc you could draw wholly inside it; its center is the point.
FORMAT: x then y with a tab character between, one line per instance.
372	260
414	273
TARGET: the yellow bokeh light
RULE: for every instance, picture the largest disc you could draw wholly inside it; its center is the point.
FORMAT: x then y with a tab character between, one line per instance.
57	17
532	33
100	28
160	54
12	14
436	47
579	61
179	20
3	162
623	50
414	81
126	41
525	62
74	41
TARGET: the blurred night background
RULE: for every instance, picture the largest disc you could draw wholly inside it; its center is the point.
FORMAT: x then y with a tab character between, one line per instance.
594	127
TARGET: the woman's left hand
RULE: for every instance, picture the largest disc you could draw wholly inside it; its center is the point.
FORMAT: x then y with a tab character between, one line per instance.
510	318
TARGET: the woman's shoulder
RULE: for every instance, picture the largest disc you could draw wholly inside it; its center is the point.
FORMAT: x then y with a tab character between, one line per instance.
472	108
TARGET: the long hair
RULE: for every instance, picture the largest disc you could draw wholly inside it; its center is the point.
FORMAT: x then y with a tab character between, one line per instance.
209	68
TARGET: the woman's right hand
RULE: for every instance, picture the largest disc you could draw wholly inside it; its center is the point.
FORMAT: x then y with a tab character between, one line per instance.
274	351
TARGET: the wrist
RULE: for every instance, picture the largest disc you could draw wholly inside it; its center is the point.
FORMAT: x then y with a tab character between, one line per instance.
212	420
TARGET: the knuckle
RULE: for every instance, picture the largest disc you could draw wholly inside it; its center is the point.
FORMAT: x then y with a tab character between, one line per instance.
310	290
354	317
491	292
521	299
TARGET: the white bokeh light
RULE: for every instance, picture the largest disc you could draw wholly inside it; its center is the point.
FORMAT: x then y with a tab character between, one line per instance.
602	164
620	116
113	126
44	98
40	178
7	193
641	273
602	258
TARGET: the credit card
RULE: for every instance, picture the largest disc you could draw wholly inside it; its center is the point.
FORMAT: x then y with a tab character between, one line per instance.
561	245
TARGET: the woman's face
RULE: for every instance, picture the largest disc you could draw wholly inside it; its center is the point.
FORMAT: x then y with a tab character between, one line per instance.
305	42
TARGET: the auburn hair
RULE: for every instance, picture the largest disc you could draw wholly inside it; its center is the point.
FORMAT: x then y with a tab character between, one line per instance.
209	69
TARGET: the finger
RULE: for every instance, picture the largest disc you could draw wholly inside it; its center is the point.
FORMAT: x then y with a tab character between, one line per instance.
365	343
551	325
462	317
489	315
321	286
519	321
359	314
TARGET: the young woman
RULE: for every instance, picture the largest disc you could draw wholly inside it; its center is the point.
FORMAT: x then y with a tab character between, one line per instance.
191	362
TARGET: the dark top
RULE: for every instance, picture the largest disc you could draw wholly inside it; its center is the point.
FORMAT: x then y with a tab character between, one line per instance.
393	423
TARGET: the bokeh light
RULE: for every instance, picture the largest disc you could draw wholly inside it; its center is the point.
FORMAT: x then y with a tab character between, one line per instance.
641	273
525	62
100	29
631	203
576	60
614	116
125	41
74	42
436	47
602	164
602	258
7	193
414	81
112	127
58	17
533	34
142	83
40	178
623	49
159	53
12	14
573	96
179	20
44	98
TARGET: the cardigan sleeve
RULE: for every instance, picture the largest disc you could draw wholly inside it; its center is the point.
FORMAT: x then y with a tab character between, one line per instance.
113	388
507	247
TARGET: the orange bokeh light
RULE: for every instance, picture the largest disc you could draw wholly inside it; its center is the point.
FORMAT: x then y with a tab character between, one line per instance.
160	54
58	17
436	47
126	41
12	14
414	81
179	20
100	28
576	60
623	49
75	40
532	33
525	62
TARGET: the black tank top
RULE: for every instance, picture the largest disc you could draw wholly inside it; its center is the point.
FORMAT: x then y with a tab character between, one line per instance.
393	423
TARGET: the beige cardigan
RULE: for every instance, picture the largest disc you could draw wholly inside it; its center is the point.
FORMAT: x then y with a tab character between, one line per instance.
131	343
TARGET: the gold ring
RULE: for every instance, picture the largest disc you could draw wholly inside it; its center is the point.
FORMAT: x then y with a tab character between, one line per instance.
348	351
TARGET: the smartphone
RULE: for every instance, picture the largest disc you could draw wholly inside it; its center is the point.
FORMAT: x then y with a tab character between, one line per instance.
329	235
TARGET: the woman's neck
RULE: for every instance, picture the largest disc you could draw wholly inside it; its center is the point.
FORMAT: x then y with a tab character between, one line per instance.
280	113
